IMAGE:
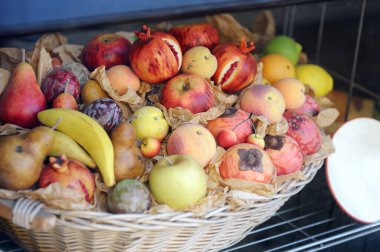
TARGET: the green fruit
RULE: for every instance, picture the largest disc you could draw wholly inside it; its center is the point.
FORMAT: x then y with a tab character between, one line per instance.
285	46
129	196
316	77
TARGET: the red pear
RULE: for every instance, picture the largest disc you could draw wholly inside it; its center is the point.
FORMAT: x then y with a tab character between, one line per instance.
22	99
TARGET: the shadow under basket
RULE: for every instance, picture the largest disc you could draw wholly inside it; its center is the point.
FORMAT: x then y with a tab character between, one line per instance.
180	231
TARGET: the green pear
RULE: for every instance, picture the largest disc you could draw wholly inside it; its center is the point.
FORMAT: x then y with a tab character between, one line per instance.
22	157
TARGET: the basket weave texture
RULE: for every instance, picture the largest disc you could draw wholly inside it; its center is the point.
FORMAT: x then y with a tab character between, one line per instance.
212	231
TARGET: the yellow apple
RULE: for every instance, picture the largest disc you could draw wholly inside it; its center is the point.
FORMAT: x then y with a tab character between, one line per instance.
149	121
199	60
178	181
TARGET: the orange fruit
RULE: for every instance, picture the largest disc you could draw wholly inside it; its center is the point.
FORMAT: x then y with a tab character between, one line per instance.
277	67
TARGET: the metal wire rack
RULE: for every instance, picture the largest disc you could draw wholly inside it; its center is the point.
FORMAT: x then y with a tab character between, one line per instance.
311	220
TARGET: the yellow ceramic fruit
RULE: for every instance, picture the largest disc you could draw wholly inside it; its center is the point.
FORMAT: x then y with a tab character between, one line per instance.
92	91
149	121
277	67
199	60
316	77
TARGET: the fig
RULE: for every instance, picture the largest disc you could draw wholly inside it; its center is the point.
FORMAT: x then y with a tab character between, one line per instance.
285	154
105	111
304	130
129	196
55	82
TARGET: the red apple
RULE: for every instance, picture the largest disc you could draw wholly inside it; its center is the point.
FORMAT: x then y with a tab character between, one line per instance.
188	91
201	34
155	57
107	50
257	140
150	147
226	138
236	66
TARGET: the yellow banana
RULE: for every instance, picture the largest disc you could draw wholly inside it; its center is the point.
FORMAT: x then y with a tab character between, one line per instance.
88	133
63	144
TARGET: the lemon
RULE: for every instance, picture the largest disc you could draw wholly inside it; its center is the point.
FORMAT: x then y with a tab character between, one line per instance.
285	46
316	77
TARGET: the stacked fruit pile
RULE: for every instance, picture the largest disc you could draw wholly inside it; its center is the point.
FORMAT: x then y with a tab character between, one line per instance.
162	119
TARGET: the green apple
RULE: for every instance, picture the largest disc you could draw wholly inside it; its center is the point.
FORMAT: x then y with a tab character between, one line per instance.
178	181
149	121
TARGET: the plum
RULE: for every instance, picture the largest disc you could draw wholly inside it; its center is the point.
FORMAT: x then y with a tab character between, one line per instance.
105	111
55	81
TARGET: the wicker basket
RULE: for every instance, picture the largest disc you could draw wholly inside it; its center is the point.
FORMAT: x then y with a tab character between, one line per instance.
94	231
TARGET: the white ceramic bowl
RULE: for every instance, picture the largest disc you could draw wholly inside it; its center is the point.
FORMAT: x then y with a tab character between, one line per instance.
353	171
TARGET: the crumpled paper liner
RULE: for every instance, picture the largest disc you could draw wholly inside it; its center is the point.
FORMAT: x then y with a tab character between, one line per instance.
10	57
49	41
12	129
327	148
128	35
4	78
69	53
41	62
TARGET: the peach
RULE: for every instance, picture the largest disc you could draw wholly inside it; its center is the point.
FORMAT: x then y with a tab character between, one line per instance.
293	92
304	130
199	60
285	154
263	100
248	162
194	140
121	78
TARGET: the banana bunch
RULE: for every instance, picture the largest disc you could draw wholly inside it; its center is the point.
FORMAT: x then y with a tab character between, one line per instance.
88	133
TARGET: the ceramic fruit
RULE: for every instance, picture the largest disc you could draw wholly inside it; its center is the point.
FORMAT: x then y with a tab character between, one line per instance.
22	157
64	100
79	70
194	140
121	78
54	83
256	139
285	46
316	77
105	111
107	50
129	196
199	34
247	162
233	119
293	92
149	121
277	67
71	174
226	138
88	133
129	162
285	154
200	61
263	100
150	147
92	91
310	107
304	130
22	98
236	66
188	91
178	181
155	57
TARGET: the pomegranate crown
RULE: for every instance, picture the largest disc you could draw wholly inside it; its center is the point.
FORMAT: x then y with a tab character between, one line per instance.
144	34
246	47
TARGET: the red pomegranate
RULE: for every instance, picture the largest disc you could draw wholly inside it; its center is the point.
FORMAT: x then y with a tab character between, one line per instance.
69	173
